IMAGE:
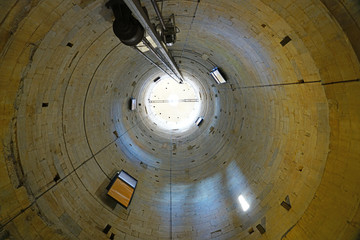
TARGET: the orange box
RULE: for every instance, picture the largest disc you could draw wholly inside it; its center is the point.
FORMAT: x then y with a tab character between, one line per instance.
121	192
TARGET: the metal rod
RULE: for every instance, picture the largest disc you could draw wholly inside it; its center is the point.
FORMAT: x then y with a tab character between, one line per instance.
169	101
158	13
138	11
191	24
152	62
151	48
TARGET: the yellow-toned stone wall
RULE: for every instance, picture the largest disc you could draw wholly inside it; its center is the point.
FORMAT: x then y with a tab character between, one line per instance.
287	123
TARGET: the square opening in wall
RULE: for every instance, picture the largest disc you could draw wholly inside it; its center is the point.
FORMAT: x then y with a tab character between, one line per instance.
132	104
218	77
285	41
122	188
199	121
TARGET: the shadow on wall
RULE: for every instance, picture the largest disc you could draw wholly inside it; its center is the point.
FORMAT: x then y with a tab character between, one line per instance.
211	205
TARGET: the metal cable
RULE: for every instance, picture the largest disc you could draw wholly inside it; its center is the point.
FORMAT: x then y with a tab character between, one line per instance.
192	21
151	48
158	13
152	62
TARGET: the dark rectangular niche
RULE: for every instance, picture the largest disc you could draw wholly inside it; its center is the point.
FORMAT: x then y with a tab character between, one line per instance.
286	204
107	229
260	228
56	178
285	41
116	134
112	236
45	104
69	44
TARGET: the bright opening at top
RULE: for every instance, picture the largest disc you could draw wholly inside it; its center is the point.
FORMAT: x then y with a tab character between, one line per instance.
173	106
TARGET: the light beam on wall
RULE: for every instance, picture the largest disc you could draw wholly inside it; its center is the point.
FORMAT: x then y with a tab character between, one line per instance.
244	204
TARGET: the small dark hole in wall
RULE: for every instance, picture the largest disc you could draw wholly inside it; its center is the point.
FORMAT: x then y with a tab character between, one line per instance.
260	228
285	205
112	236
69	44
263	25
251	230
107	228
56	178
301	81
144	165
45	104
285	41
116	134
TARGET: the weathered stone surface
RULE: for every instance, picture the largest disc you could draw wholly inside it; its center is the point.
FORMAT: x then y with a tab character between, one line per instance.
286	124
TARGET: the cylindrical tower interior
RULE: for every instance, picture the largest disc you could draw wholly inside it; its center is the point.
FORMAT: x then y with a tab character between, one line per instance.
283	132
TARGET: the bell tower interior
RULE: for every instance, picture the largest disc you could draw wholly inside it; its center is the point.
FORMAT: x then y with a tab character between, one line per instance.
276	156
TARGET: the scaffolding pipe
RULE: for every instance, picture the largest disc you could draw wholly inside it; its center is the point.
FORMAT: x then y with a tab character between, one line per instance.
158	13
138	11
151	48
152	62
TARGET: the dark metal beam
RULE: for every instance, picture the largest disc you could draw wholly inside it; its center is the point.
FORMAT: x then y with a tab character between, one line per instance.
158	13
